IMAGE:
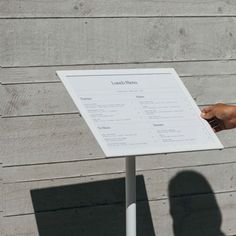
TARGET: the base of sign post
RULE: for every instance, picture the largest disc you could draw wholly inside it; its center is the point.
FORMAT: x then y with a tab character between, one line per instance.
130	196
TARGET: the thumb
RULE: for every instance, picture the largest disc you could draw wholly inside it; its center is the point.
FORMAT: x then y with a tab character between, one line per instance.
208	113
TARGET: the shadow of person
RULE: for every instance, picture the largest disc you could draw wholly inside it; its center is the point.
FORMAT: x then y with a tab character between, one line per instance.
193	207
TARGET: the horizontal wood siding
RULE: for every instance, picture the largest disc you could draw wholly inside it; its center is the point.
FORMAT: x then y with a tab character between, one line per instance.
109	166
52	98
15	75
60	138
156	182
115	8
26	224
54	178
94	41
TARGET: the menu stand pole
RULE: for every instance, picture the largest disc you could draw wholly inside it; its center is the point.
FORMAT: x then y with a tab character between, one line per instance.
130	185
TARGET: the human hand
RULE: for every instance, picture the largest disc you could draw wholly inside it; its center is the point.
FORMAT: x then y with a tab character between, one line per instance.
220	116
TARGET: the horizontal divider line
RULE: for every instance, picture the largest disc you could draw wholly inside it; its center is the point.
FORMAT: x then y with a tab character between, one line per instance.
35	115
117	203
58	162
61	178
117	17
33	82
70	208
120	63
58	81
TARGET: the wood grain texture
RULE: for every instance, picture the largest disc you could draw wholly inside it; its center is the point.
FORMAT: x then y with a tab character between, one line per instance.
114	166
1	147
115	8
112	40
72	221
161	219
44	139
1	193
36	99
48	152
1	198
1	171
3	96
48	139
52	98
110	189
47	74
2	231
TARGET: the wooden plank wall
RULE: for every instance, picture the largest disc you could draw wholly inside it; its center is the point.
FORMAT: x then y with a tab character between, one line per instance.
54	179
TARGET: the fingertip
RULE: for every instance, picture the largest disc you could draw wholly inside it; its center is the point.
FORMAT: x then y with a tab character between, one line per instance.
207	109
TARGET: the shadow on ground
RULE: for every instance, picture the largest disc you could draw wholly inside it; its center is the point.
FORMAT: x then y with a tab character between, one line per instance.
193	206
98	208
89	209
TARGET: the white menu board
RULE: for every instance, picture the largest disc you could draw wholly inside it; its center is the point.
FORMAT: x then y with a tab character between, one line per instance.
139	111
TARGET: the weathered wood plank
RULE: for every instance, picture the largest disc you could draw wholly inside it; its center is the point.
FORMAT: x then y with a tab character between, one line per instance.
1	143
44	139
76	222
1	170
110	166
36	99
1	198
112	40
115	8
1	194
80	220
48	139
47	74
2	101
52	98
104	189
2	232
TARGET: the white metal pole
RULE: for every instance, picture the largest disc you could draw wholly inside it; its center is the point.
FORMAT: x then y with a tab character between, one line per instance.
130	196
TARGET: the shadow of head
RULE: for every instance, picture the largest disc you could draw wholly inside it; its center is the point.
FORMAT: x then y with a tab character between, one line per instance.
88	209
193	206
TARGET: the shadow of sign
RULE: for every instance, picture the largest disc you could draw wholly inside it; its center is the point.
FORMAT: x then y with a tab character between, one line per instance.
193	206
89	209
